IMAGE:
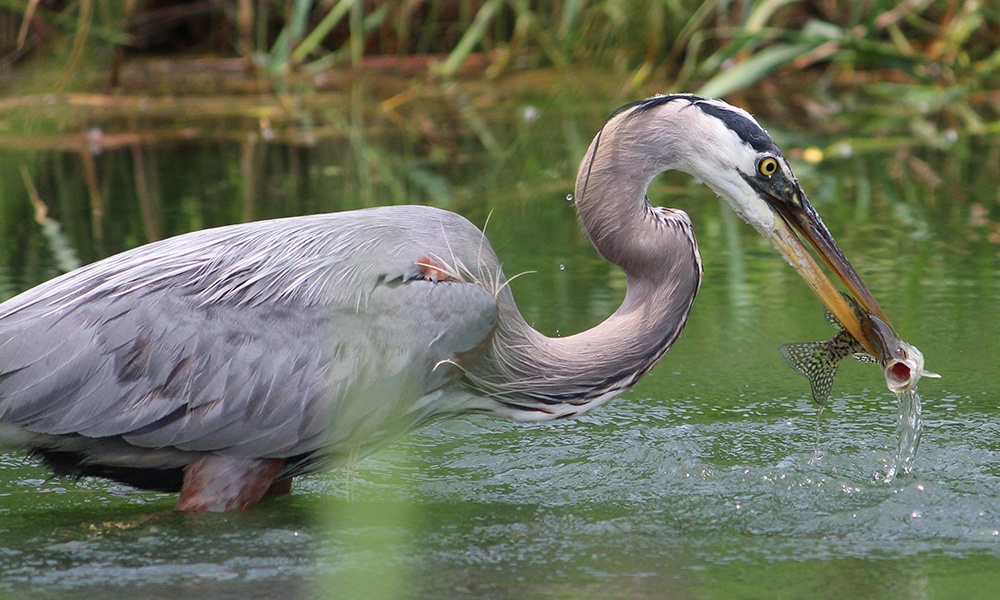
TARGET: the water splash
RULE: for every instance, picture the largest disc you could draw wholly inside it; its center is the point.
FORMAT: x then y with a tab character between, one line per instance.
908	429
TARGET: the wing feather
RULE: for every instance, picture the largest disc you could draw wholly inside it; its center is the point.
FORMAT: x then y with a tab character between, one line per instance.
265	339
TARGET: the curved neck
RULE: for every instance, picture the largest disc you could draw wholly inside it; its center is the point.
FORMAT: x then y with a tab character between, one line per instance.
528	376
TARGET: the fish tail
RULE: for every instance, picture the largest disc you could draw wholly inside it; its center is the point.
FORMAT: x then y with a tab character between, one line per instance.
817	362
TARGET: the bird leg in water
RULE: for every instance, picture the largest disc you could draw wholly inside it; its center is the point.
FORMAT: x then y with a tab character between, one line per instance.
279	488
220	484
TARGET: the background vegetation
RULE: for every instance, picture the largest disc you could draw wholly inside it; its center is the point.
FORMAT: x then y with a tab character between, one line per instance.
944	54
102	100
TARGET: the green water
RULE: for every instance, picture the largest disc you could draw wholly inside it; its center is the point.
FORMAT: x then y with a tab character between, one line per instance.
715	477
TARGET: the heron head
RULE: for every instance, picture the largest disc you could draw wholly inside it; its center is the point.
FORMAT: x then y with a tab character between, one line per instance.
725	147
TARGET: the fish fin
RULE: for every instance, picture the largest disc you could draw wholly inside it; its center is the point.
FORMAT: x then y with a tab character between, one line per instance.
930	374
865	358
813	360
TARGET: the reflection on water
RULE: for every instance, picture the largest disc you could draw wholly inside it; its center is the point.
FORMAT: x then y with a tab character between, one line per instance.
714	477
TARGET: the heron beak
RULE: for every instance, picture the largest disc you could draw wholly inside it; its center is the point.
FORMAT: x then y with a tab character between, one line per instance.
799	216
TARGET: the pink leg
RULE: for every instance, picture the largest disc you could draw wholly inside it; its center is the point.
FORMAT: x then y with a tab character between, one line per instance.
221	484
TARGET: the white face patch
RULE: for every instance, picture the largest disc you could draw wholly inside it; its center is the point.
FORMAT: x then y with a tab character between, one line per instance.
716	143
721	157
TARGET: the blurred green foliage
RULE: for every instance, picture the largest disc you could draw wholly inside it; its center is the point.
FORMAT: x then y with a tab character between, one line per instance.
270	99
718	45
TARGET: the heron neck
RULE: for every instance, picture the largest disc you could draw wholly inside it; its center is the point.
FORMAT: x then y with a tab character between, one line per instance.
535	377
610	198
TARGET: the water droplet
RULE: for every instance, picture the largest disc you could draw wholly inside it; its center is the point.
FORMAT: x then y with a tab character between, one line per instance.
562	267
569	197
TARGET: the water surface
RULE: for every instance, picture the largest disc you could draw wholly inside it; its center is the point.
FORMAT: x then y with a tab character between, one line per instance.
714	477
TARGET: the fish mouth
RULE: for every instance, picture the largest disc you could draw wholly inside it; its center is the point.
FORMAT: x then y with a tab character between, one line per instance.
799	218
902	363
900	375
905	368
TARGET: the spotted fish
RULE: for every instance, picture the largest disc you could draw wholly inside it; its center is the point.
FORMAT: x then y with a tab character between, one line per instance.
818	361
902	364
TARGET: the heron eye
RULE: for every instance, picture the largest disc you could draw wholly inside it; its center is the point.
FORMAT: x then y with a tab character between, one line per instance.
767	166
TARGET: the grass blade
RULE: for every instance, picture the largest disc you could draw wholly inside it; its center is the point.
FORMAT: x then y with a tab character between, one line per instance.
472	36
753	69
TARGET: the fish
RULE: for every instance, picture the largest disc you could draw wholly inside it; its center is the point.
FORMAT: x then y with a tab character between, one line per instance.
902	363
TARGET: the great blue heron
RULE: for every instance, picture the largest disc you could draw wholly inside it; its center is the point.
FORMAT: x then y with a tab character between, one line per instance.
223	362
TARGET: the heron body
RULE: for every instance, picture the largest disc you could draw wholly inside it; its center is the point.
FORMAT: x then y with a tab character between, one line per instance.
223	362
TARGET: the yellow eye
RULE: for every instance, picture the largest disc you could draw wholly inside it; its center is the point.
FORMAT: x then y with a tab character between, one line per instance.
767	166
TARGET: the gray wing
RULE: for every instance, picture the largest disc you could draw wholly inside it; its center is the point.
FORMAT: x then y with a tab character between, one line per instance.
268	339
